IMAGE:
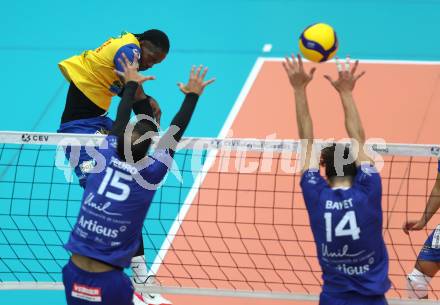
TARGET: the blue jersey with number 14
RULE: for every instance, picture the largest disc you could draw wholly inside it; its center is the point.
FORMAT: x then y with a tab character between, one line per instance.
347	227
114	206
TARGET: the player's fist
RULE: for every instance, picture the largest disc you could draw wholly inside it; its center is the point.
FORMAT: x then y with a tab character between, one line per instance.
413	225
196	83
130	71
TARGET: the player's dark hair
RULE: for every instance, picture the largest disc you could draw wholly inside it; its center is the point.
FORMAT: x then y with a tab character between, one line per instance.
328	161
140	149
157	38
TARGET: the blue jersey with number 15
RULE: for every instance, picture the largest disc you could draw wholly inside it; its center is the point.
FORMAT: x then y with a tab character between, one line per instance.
347	227
114	206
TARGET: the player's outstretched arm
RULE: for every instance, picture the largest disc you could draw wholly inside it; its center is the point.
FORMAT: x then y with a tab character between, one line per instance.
431	208
146	105
192	90
132	81
345	84
299	79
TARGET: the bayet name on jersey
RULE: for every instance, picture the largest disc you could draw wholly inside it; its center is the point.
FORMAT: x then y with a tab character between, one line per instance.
339	205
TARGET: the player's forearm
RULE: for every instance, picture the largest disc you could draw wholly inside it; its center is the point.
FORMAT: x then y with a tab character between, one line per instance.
180	121
433	203
183	116
303	118
353	123
124	108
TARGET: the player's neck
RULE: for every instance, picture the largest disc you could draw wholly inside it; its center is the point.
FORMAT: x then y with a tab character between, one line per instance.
340	182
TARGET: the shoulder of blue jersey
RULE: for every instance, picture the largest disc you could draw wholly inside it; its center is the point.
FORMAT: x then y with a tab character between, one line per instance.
368	169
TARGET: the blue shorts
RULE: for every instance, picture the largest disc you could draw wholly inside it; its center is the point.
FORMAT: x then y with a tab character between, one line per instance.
350	298
431	248
103	288
101	124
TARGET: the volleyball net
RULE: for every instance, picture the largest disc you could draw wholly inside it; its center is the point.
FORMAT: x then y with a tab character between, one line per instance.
229	220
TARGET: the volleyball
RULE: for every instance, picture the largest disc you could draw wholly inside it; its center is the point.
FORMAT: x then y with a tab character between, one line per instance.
318	42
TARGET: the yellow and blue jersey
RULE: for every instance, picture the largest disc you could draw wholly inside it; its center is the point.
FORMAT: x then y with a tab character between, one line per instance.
93	71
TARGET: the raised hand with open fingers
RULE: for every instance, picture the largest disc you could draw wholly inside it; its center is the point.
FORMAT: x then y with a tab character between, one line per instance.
196	83
130	71
347	76
298	77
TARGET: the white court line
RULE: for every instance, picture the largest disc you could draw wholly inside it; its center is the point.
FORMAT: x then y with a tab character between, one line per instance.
206	166
366	61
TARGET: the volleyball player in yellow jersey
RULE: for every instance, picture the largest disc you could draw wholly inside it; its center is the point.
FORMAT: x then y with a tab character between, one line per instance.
93	83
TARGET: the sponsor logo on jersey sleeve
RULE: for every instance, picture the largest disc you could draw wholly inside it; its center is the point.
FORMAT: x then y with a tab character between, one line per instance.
136	53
